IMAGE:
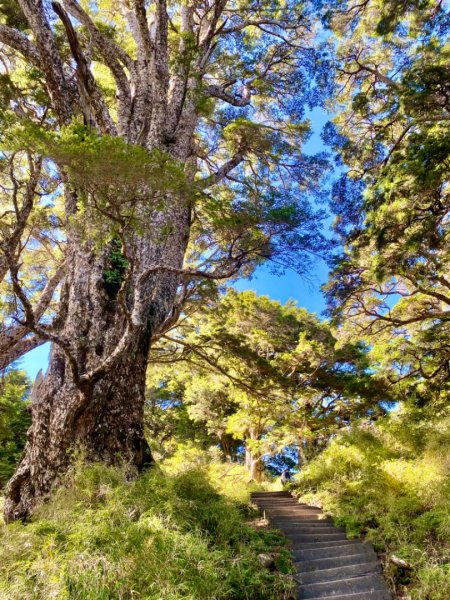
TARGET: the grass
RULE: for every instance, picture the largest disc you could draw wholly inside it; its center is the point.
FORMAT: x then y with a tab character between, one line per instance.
391	483
163	536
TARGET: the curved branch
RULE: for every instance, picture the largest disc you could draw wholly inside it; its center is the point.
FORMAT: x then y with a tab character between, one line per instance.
89	90
14	341
18	41
216	91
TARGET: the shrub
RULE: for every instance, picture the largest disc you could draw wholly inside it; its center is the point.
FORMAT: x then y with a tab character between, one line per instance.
14	421
395	489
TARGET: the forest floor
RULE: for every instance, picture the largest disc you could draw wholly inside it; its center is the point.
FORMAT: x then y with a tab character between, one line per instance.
161	536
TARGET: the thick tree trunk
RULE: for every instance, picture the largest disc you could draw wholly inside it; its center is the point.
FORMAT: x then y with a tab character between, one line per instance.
228	444
105	419
108	428
253	463
256	468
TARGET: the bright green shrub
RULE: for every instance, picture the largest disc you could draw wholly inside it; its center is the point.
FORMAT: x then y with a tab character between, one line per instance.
395	489
14	421
157	537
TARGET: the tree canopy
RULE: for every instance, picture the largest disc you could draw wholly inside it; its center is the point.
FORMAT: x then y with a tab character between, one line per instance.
265	376
391	286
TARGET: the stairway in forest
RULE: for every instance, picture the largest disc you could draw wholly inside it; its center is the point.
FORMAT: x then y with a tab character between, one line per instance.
329	566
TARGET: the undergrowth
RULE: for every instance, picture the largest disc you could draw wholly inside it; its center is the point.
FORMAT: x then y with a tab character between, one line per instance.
391	482
162	536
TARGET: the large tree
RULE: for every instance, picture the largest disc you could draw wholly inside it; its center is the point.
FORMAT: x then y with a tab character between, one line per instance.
148	147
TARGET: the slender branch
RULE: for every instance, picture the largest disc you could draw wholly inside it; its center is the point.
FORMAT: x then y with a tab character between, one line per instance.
217	91
22	214
31	322
223	171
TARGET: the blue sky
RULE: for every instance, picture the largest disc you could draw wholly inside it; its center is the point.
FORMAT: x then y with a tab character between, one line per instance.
289	286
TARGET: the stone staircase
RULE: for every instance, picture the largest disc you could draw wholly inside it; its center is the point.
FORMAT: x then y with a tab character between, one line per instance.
329	566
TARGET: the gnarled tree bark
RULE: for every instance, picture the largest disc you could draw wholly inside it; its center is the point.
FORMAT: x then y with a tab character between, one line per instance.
102	413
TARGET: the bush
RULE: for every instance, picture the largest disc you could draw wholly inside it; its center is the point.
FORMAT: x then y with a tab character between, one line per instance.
160	536
14	421
395	489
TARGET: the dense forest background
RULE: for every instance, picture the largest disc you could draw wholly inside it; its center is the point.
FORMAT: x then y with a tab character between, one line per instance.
151	157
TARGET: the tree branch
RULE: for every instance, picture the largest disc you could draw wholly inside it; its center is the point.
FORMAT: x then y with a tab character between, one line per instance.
112	55
22	214
50	60
18	41
223	171
216	91
90	93
20	349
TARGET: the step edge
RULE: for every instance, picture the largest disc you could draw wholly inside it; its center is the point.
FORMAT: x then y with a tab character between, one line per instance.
387	594
310	557
358	543
301	562
349	579
373	563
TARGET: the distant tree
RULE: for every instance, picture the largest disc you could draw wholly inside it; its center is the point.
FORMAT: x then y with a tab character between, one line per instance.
15	419
167	421
145	148
271	375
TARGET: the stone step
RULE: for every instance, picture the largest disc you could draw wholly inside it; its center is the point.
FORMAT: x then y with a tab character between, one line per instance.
289	507
278	499
284	503
319	564
308	538
309	528
281	493
372	595
352	585
341	572
345	548
281	502
277	506
290	512
319	519
327	544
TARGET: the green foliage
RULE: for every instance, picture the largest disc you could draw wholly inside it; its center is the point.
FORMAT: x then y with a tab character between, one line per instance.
390	285
260	374
391	482
119	185
157	537
99	161
14	421
13	14
113	276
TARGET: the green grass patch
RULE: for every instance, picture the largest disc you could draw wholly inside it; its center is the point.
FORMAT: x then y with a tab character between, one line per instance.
160	536
391	483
